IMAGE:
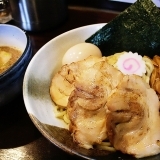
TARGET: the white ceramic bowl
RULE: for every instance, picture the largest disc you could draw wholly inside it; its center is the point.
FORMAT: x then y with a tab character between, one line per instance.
11	80
37	99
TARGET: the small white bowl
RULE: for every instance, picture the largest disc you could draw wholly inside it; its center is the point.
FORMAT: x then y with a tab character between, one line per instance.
36	86
11	80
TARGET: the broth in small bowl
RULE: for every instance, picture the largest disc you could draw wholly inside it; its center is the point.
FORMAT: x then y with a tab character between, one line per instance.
8	56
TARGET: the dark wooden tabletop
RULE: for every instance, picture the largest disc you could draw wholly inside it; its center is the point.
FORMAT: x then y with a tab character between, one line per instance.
19	138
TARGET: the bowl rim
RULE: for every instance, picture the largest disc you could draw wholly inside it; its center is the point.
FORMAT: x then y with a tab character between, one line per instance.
27	48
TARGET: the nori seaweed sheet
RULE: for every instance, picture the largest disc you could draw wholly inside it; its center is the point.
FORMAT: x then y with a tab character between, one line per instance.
136	29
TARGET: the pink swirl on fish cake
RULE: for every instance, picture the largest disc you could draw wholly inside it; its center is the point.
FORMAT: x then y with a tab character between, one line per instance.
131	65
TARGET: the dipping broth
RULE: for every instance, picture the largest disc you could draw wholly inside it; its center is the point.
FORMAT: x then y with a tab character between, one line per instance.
8	56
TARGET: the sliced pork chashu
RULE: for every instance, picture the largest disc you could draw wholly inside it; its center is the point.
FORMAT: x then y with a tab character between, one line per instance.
63	82
86	105
133	119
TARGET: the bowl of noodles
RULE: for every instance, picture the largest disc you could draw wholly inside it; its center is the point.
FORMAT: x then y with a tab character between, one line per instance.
99	96
59	102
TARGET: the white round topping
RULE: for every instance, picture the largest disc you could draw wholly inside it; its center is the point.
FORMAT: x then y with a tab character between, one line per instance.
131	63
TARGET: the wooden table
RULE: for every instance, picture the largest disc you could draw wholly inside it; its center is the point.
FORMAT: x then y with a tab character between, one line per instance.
19	138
